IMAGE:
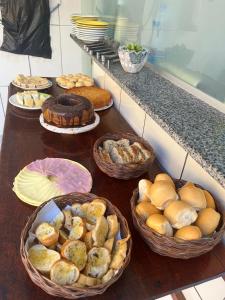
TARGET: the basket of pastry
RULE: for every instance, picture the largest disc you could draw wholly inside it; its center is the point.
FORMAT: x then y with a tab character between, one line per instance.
75	245
177	218
123	155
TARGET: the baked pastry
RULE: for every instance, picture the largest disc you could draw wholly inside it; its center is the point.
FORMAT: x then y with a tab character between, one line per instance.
164	177
193	195
74	80
119	253
100	232
145	209
92	211
162	193
113	226
160	224
210	202
64	272
76	252
47	234
68	111
208	220
97	96
98	262
30	82
78	229
87	280
189	233
31	98
180	214
143	189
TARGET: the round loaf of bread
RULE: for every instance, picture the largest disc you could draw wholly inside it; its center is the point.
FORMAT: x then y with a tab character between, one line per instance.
160	224
193	196
180	214
64	272
162	193
209	200
189	233
145	209
143	189
164	177
208	220
47	234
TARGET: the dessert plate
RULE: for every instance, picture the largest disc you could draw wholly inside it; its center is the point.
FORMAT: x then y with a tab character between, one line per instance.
74	130
41	87
14	102
105	107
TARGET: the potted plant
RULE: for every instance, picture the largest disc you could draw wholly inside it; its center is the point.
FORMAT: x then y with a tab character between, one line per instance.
132	57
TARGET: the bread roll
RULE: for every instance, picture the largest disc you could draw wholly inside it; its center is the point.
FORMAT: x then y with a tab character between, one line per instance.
119	253
145	209
180	214
160	224
162	193
113	226
189	233
98	262
164	177
64	272
78	229
208	220
88	281
209	200
143	189
100	232
193	196
47	234
75	251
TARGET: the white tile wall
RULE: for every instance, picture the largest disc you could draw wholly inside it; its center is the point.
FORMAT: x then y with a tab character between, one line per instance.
99	75
194	172
191	294
114	89
212	290
132	113
169	153
54	19
68	8
4	96
2	119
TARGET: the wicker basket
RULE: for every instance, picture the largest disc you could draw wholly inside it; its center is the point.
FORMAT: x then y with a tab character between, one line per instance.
70	292
122	171
169	246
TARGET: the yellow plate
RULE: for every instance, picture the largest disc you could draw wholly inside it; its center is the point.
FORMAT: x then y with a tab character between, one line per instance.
92	23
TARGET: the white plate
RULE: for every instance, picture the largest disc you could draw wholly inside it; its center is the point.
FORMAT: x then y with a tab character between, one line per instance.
14	102
75	130
43	87
105	107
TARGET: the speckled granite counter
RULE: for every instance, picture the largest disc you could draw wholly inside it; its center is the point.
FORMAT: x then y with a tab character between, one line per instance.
196	126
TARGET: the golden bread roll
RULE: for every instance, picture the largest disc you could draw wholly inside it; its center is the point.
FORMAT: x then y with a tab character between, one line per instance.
209	200
189	233
42	258
47	234
88	240
119	253
94	210
193	196
162	193
109	275
208	220
78	229
64	272
164	177
98	262
160	224
113	226
143	189
180	214
145	209
87	281
100	232
75	251
109	244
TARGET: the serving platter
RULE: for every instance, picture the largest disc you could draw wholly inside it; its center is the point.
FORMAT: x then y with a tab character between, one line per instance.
74	130
13	101
41	87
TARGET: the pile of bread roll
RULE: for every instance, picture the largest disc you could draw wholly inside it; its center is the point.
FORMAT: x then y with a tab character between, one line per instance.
188	213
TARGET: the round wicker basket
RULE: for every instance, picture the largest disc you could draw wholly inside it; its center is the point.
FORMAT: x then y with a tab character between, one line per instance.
173	247
122	171
71	292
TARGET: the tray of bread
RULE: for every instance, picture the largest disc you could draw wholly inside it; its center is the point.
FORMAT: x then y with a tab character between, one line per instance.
30	100
123	155
177	218
31	82
74	80
76	245
100	98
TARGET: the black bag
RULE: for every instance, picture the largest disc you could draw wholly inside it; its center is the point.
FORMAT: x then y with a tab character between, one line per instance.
26	27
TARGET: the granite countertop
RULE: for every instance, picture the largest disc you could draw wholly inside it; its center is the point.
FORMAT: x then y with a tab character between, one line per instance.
193	124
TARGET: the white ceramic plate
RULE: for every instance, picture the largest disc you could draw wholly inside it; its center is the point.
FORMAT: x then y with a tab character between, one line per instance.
43	87
75	130
105	107
14	102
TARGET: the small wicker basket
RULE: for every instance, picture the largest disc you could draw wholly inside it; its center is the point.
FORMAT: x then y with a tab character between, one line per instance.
169	246
122	171
70	292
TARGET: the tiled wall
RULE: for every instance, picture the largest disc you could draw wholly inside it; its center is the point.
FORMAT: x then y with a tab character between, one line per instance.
66	56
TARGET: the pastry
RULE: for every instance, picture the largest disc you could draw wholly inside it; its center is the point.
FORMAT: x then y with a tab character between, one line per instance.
119	254
64	272
100	232
208	220
164	177
31	98
76	252
94	210
113	226
180	214
98	262
30	82
210	202
189	233
162	193
143	189
78	229
68	111
160	224
47	234
74	80
193	196
97	96
145	209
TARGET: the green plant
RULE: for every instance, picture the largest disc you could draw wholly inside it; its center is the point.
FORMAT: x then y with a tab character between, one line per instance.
134	47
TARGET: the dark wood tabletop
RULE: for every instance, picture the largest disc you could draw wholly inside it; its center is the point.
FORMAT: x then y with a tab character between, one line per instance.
148	275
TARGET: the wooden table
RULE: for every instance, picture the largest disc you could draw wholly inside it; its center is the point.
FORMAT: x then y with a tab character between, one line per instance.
148	275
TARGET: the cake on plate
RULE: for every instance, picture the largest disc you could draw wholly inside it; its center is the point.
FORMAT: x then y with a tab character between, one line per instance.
67	111
30	82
